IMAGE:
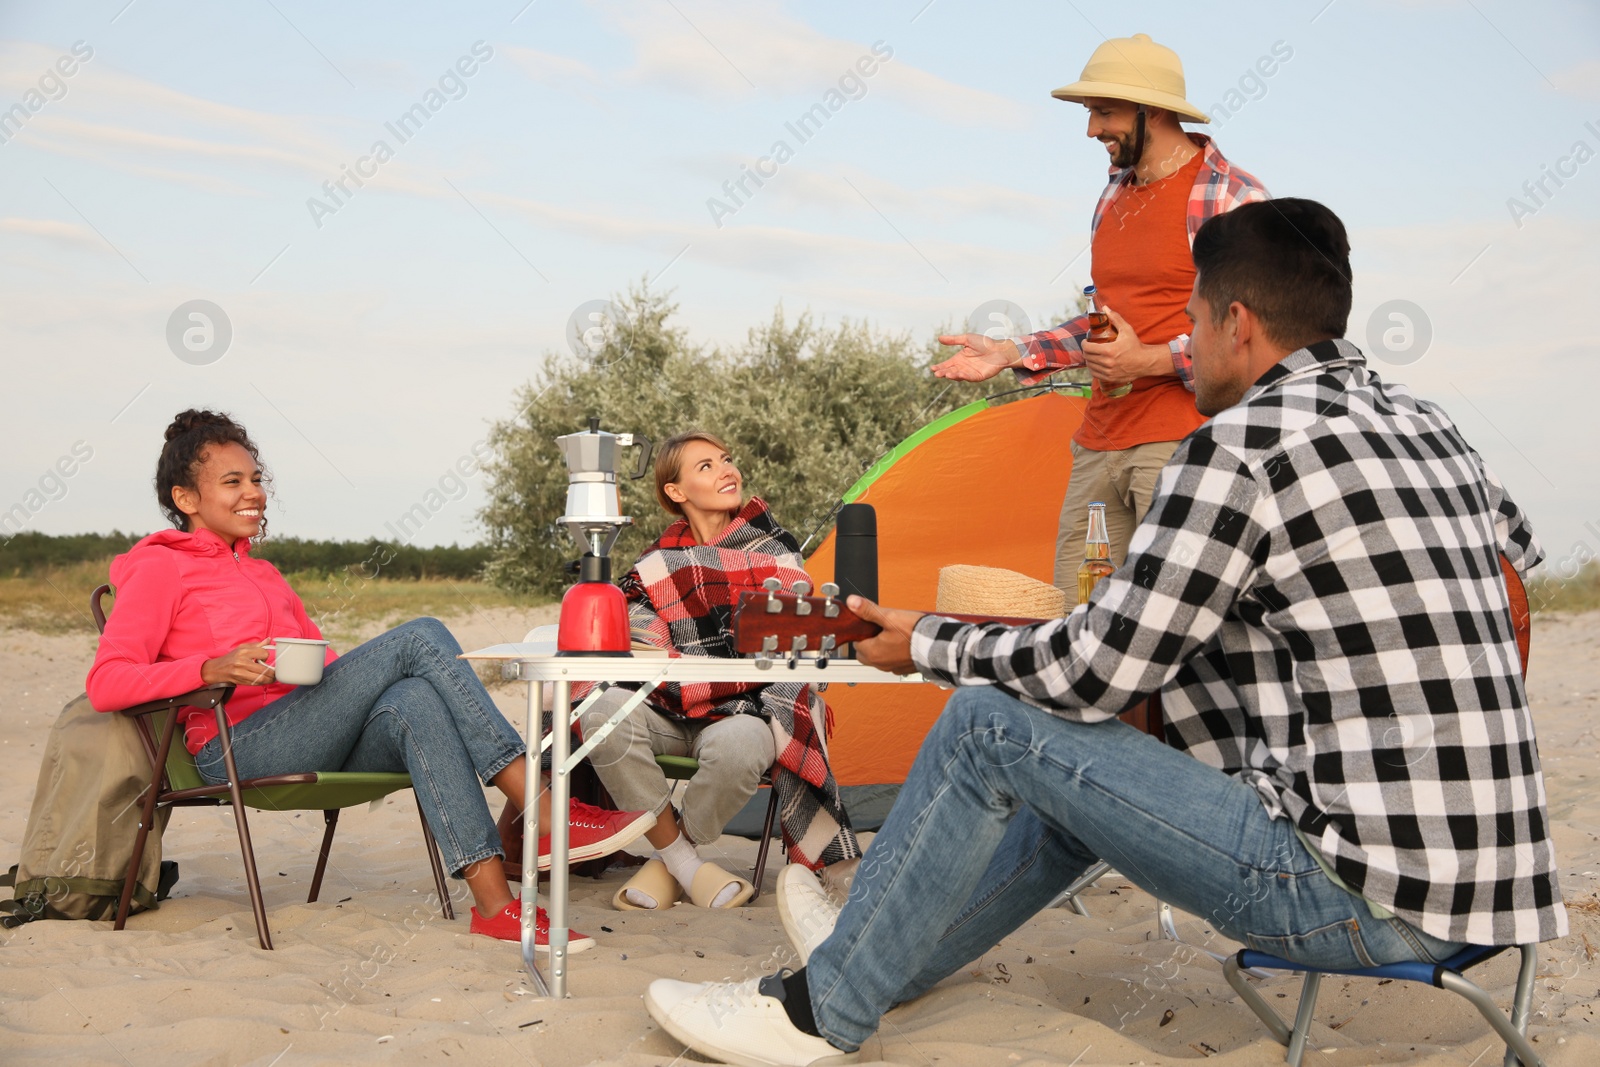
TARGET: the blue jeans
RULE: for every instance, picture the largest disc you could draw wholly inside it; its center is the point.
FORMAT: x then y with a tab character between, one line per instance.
400	702
1007	804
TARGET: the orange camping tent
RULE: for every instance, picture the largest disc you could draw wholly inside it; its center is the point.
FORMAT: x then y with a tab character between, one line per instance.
983	485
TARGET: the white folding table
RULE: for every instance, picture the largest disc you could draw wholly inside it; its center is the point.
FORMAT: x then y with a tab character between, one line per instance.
537	662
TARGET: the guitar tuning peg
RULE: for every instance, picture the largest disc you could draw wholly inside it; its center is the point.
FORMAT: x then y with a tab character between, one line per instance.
769	645
827	646
797	646
801	590
830	607
772	585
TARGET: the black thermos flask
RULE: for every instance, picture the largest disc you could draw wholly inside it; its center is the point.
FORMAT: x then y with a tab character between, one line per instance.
855	560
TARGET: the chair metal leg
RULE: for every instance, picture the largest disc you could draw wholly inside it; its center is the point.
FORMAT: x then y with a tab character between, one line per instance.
1302	1018
251	879
1169	932
438	868
1069	895
330	819
1511	1030
147	816
147	813
1253	1000
766	841
1169	925
1522	1003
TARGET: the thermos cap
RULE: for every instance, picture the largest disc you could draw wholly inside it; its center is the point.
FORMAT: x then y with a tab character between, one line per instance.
858	520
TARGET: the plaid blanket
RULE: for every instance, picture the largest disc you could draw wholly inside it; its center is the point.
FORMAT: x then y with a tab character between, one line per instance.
682	594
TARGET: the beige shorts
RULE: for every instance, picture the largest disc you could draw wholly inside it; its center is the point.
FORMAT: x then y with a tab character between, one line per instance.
1125	482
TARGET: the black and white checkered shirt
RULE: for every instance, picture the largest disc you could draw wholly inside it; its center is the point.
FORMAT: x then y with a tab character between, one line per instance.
1317	593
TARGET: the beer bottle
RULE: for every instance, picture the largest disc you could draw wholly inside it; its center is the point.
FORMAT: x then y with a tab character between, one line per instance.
1102	330
1096	553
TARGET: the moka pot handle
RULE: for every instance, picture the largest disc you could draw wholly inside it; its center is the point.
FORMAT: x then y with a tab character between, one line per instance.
644	455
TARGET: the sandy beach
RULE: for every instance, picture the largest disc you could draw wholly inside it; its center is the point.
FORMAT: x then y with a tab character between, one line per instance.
371	973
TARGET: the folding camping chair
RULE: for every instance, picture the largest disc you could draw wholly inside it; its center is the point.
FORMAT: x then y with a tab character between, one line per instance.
176	782
1446	975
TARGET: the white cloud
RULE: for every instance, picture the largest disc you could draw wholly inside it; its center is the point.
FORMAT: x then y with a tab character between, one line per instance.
1580	79
548	68
723	50
796	186
769	249
69	233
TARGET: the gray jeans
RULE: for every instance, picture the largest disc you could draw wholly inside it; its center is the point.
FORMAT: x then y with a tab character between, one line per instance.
733	752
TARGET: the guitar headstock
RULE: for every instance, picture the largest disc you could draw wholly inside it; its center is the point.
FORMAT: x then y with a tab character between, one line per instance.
794	623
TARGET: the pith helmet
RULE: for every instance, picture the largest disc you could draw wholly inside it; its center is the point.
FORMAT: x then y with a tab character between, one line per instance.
1137	69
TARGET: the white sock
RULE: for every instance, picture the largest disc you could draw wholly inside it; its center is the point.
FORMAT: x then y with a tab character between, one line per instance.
682	862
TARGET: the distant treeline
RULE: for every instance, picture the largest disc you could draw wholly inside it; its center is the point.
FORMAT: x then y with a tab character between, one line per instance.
27	554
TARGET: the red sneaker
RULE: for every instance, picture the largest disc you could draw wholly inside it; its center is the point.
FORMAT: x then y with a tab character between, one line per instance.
507	926
597	832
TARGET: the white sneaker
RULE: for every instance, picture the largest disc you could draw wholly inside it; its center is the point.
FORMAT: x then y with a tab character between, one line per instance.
735	1022
806	910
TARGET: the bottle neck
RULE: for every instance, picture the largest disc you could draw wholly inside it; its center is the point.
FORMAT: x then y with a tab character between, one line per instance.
1098	544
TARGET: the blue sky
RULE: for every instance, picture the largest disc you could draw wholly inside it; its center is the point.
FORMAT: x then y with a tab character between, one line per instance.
375	338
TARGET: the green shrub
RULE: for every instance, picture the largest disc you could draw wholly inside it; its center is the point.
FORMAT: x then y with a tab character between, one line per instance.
806	410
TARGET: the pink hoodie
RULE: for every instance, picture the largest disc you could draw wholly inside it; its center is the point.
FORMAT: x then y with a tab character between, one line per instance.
184	598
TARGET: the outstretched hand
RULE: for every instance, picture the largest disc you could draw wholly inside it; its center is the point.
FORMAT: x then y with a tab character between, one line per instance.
981	357
891	649
245	665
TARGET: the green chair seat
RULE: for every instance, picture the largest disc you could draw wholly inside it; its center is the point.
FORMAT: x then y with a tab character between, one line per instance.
332	789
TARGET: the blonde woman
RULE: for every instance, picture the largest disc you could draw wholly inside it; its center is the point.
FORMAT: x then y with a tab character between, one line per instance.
682	593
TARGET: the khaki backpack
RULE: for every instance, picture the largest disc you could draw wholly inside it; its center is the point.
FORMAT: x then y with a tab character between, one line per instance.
85	815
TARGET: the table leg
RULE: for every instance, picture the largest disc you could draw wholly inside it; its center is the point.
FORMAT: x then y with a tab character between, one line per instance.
560	797
530	840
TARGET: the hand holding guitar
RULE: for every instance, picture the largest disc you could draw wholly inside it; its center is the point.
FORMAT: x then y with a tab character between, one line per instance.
890	650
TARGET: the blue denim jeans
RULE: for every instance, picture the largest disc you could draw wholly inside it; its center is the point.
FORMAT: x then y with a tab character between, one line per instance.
400	702
1007	804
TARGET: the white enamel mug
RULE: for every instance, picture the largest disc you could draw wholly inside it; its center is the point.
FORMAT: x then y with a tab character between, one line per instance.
298	660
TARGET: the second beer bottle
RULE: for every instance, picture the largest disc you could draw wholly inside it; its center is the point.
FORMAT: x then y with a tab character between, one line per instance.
1096	553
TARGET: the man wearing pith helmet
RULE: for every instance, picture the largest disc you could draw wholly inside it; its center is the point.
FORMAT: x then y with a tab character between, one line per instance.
1164	184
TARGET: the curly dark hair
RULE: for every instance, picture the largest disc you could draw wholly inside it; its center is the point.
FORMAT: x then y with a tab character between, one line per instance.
191	433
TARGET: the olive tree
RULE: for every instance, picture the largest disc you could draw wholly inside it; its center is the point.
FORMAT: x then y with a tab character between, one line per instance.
805	409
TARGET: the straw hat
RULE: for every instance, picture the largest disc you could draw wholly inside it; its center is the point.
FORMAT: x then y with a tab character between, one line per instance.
968	590
1137	69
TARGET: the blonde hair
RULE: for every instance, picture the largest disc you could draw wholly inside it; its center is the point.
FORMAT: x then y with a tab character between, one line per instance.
669	462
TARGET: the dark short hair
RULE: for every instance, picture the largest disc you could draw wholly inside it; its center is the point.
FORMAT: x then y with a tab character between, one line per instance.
1287	260
188	441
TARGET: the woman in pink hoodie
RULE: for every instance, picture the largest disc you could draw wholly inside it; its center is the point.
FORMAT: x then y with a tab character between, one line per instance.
193	608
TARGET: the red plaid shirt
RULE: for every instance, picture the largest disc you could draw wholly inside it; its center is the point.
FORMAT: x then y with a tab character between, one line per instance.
1220	186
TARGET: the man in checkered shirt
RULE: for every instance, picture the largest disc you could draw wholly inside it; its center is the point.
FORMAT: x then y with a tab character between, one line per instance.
1352	777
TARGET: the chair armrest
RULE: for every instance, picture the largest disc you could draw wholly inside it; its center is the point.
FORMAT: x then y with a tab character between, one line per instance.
208	696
